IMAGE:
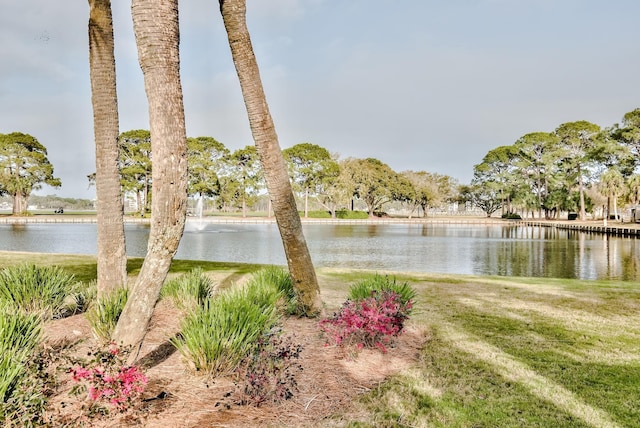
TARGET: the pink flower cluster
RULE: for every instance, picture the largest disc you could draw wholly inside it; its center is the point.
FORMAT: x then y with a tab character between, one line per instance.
111	382
370	322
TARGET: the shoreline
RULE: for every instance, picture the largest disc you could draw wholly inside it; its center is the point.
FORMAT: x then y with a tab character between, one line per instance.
591	226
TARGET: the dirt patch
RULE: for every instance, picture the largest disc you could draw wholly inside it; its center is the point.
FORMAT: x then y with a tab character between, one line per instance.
329	382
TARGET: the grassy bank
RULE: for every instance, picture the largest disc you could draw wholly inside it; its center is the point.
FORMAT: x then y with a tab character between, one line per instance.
515	352
508	352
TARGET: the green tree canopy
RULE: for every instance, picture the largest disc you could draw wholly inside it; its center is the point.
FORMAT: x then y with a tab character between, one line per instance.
375	183
135	165
580	142
24	167
311	168
243	179
205	159
429	189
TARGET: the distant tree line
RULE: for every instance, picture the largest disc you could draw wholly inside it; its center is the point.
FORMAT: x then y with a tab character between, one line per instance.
577	167
233	180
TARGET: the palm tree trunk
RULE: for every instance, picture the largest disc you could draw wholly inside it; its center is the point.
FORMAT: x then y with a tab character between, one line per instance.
112	257
155	23
264	134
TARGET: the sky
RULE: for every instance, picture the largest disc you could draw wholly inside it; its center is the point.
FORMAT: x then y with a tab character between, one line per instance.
423	85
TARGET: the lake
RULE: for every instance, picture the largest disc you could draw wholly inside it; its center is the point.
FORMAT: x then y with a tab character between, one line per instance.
461	248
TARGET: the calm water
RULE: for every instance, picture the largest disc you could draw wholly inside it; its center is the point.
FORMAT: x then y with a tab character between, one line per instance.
454	248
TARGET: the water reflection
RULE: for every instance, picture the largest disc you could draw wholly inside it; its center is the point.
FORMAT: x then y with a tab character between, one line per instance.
455	248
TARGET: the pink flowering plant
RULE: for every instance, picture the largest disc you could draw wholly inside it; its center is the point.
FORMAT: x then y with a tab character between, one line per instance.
370	322
108	380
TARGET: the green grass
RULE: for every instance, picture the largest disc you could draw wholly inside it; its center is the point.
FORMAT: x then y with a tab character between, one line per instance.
498	351
513	352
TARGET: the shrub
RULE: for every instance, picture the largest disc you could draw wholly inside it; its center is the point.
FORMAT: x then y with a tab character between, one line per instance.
369	287
108	380
103	314
369	322
20	333
39	289
351	215
27	405
216	337
189	290
317	214
268	373
511	216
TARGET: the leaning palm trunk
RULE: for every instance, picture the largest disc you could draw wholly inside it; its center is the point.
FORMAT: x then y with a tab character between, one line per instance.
156	29
112	257
264	134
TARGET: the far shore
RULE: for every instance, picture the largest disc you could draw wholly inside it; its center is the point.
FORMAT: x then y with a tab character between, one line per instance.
216	219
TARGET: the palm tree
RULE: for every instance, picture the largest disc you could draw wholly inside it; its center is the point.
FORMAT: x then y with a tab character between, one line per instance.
633	185
155	23
112	257
612	186
264	134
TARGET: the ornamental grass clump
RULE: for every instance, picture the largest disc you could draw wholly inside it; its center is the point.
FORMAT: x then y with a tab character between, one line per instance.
275	282
45	290
103	314
20	334
216	337
189	290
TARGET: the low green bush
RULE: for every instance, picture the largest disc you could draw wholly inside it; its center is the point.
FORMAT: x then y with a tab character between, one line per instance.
189	290
511	216
103	314
351	215
376	284
216	337
317	214
46	290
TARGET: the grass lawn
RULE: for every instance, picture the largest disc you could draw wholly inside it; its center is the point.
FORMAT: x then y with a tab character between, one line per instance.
499	351
518	352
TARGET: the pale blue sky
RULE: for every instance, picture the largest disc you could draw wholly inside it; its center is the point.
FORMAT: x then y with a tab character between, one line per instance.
419	84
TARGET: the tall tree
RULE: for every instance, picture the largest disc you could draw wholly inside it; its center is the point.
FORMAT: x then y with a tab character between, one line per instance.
135	163
24	167
579	141
486	198
425	193
629	133
497	172
264	134
633	188
112	257
245	178
205	158
156	27
375	183
337	191
536	156
311	166
612	185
